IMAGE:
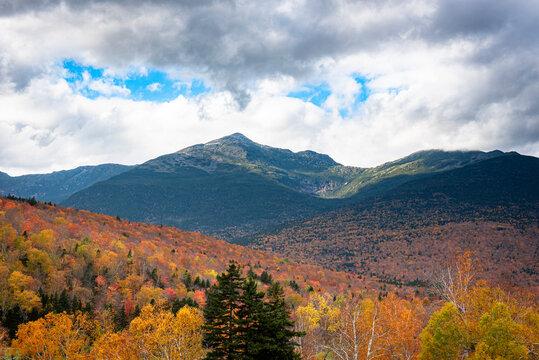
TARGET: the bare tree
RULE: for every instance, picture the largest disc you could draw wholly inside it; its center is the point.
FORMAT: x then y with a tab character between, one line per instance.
357	333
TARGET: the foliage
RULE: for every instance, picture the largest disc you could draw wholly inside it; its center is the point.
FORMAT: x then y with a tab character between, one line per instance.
54	259
56	336
111	286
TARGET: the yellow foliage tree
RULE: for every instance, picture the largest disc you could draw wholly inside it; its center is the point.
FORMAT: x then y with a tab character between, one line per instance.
158	334
155	334
56	336
113	346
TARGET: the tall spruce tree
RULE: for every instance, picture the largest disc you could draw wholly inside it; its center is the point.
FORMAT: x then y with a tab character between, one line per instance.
277	328
240	324
250	321
221	324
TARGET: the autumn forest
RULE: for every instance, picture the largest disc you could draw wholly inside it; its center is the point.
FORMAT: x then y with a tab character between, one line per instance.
80	285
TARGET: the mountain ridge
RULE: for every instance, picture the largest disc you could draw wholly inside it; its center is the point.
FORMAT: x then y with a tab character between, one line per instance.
232	187
490	208
58	185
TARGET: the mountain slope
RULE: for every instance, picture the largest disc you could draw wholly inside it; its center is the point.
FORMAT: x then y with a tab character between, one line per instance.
387	176
490	208
228	186
232	187
60	259
59	185
304	171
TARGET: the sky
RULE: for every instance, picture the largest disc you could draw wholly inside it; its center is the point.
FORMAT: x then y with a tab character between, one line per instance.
85	82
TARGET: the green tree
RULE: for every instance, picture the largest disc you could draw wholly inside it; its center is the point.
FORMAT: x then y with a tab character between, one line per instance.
277	328
251	321
500	336
241	325
443	337
220	314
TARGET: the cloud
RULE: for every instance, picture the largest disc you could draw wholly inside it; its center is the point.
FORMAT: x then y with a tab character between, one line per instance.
365	81
153	87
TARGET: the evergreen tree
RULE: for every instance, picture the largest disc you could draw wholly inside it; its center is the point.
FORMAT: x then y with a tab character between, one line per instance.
221	325
64	304
241	325
277	328
265	278
198	282
121	319
250	320
187	279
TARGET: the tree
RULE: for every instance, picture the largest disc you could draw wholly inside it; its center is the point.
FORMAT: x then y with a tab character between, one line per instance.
443	337
501	336
241	325
357	332
403	320
251	320
56	336
455	282
220	314
155	334
114	346
158	334
277	328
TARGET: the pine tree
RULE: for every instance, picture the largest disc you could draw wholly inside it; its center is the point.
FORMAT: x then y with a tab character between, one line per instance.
187	279
277	328
241	325
250	321
221	324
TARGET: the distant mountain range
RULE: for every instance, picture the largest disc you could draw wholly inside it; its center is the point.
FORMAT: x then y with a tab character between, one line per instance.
57	186
233	187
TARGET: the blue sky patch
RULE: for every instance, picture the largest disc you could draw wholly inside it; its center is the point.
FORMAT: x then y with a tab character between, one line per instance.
359	98
365	91
154	85
316	94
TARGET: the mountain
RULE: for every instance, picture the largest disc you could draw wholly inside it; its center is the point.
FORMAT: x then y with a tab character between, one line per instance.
57	186
233	187
420	164
228	186
490	208
304	171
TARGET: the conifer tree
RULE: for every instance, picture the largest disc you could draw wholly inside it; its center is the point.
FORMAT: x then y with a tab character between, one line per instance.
241	325
221	324
251	321
277	328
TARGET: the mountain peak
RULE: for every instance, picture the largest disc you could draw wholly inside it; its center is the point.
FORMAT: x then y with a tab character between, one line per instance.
237	149
234	140
236	136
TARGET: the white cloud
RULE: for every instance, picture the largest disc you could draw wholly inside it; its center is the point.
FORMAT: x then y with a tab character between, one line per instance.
154	87
442	75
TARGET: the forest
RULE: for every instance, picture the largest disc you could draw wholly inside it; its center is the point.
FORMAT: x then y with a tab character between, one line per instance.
79	285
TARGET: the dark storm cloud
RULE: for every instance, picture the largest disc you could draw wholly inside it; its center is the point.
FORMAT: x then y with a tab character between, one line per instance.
235	43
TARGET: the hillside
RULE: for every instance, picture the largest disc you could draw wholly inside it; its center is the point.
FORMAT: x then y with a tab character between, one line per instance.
103	262
54	229
59	185
490	208
377	180
233	187
210	197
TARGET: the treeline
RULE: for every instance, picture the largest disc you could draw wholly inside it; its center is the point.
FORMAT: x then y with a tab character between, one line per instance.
32	201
